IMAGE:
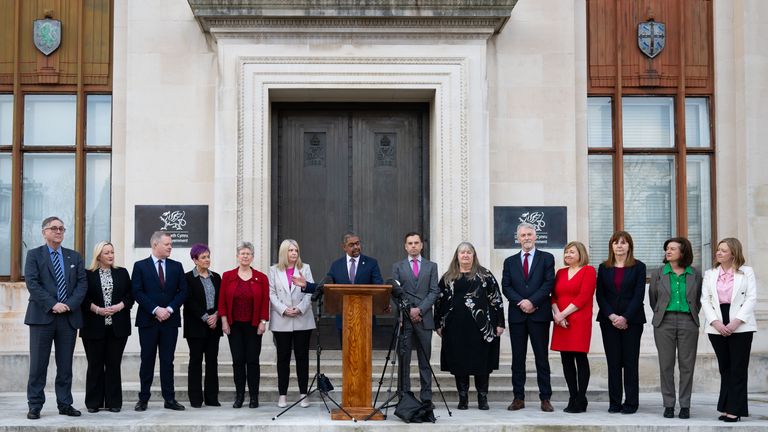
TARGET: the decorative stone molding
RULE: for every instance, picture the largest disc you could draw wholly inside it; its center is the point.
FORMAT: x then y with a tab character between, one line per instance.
477	19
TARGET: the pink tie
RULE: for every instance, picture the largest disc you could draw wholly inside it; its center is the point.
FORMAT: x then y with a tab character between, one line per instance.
415	268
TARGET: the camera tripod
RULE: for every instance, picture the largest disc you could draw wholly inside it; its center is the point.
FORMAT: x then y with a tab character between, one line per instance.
395	344
323	383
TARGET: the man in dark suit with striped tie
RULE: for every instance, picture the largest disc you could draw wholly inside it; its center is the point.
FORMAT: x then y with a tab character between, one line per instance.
56	282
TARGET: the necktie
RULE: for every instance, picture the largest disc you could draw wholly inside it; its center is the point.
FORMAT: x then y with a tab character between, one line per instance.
160	273
61	283
415	267
525	265
352	270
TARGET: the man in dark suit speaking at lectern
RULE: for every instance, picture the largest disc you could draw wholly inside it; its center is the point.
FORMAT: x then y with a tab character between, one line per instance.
354	267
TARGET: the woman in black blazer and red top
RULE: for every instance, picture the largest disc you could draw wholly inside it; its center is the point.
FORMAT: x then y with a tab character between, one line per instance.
620	293
202	328
244	311
106	327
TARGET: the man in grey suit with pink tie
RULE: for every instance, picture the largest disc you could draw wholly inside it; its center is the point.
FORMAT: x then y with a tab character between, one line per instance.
418	278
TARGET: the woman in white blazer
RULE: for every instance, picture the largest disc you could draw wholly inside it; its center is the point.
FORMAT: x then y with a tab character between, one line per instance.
728	297
291	319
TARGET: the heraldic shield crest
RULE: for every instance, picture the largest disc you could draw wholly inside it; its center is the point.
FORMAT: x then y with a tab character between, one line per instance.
47	35
651	37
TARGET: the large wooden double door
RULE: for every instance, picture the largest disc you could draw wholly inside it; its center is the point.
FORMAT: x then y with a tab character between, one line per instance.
349	167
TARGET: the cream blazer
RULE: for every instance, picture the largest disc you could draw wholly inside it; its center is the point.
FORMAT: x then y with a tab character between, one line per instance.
283	295
742	301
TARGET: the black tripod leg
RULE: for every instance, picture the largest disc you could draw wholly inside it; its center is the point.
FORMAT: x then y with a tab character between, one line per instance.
338	406
295	403
393	344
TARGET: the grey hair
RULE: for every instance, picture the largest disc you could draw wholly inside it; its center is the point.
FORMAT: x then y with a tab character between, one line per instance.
156	236
525	225
50	219
245	245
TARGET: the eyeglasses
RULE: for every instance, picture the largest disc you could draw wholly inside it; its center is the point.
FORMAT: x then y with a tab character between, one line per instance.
57	228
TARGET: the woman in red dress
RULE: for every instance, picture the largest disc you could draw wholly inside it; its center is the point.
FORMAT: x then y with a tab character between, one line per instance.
572	312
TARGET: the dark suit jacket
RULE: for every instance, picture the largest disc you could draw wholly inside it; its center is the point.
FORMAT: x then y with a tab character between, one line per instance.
421	292
41	284
195	306
660	290
368	272
628	301
537	289
149	295
94	327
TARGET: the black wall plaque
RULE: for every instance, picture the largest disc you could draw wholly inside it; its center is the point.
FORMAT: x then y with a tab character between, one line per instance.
551	226
186	224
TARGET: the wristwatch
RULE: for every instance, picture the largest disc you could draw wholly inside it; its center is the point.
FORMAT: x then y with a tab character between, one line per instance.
263	321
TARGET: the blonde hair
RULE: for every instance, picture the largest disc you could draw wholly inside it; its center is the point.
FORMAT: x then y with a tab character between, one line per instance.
736	250
282	254
581	249
97	252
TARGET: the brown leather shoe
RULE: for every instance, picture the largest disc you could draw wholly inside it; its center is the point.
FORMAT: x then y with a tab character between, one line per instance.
546	406
517	404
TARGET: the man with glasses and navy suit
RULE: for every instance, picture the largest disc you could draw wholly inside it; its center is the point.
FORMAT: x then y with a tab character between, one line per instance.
55	278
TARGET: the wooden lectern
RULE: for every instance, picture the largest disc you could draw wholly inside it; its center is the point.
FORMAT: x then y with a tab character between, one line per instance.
358	303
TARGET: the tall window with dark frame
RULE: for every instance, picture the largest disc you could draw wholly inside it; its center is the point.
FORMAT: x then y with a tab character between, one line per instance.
650	134
55	129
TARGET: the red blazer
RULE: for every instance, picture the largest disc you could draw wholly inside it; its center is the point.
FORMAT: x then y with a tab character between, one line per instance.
260	286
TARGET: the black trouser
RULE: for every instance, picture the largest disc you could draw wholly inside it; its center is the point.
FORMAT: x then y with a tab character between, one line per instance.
154	339
733	361
298	341
245	344
622	355
207	347
481	383
103	383
62	335
576	371
539	336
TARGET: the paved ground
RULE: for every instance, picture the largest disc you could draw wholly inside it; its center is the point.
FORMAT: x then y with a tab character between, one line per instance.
704	418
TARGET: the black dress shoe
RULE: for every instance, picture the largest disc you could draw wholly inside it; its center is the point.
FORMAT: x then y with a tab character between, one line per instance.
93	410
628	410
614	409
685	413
69	411
140	406
254	403
213	403
196	404
34	414
114	409
173	405
669	412
239	399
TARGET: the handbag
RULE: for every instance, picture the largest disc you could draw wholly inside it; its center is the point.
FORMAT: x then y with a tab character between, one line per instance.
411	410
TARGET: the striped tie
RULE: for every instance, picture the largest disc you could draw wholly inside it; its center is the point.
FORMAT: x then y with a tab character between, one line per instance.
60	282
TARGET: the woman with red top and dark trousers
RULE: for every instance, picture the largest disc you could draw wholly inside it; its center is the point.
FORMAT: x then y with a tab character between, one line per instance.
572	312
244	310
620	293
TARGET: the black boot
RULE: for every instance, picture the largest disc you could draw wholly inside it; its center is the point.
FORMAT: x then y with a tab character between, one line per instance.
482	401
581	403
254	403
571	408
239	398
462	385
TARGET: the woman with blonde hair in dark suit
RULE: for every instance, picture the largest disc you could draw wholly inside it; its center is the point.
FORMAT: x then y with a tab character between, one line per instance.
106	327
728	298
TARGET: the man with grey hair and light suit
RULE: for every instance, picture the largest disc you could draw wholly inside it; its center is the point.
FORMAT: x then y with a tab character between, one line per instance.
418	278
56	282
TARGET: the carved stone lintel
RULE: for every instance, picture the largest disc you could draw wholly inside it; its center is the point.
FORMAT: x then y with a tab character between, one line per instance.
385	18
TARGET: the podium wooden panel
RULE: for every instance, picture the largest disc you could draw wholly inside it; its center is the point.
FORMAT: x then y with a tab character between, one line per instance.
358	303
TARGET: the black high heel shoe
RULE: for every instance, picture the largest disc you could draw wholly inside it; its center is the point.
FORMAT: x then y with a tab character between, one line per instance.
722	417
732	419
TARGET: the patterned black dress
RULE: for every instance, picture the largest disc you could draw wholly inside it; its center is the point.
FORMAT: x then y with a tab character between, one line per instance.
469	310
